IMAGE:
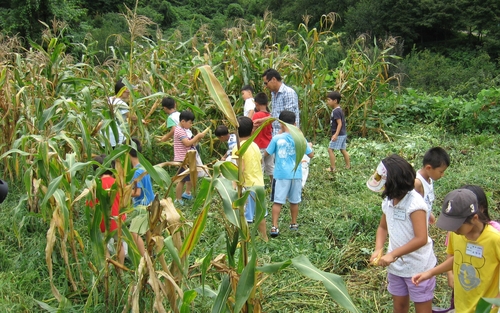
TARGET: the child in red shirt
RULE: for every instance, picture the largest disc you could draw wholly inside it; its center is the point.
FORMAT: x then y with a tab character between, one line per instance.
107	181
264	137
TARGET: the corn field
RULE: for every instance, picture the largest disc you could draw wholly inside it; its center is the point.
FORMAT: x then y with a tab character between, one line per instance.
53	103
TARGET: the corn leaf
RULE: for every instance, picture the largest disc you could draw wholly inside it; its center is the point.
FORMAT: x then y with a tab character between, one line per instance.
222	295
245	283
484	305
228	195
195	233
218	94
188	298
332	282
53	186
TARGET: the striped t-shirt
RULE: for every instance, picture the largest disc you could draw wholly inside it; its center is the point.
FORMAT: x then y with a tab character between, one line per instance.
180	149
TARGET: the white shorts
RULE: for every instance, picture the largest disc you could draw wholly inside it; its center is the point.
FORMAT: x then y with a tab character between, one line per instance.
267	163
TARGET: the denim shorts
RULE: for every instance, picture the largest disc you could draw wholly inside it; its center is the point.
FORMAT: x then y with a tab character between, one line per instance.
284	189
402	286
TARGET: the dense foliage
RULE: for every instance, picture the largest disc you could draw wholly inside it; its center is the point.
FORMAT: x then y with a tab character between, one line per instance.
414	22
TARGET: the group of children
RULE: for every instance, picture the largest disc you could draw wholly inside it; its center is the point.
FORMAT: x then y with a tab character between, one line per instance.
473	242
274	156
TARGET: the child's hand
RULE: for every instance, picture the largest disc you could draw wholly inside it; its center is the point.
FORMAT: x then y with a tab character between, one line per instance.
376	255
420	277
386	260
334	138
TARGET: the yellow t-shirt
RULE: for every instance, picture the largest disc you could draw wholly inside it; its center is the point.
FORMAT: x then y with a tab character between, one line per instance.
476	267
252	168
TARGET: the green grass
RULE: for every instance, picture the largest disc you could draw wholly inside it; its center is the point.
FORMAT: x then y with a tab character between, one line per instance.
338	219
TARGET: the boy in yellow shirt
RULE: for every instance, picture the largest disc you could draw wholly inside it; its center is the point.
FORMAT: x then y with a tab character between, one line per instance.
252	170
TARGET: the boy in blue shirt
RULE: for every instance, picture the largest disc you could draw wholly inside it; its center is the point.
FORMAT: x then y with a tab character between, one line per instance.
222	132
287	183
142	196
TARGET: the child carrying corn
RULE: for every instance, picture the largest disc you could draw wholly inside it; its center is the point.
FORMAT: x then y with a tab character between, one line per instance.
405	220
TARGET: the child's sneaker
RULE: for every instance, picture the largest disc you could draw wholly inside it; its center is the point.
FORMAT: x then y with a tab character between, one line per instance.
274	231
178	202
294	227
187	196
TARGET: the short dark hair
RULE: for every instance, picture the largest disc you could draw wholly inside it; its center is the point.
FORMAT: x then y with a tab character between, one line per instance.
100	159
436	157
334	95
270	73
118	86
287	117
133	152
221	130
245	126
400	177
186	115
168	102
261	98
247	87
482	200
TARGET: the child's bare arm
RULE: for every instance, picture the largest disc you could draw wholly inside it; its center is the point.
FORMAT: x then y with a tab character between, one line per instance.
191	142
136	192
169	135
441	268
380	238
311	155
419	187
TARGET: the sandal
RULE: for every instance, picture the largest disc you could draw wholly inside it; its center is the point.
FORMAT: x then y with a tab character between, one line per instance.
330	169
294	227
274	231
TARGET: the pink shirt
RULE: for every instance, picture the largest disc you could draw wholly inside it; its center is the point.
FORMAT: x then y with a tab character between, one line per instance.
180	149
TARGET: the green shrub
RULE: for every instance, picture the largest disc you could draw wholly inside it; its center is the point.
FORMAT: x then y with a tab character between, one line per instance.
235	10
456	114
463	73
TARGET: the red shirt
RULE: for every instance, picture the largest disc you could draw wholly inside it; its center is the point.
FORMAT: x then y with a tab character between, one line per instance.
264	137
107	182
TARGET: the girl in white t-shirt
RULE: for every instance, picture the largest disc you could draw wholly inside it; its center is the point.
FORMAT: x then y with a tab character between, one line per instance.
405	220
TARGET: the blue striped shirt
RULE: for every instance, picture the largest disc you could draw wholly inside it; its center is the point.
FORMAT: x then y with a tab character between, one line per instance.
285	99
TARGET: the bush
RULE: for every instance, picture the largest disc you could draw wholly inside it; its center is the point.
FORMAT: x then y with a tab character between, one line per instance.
458	115
461	74
234	10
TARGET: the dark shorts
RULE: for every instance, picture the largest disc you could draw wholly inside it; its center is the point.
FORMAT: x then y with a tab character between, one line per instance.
185	179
